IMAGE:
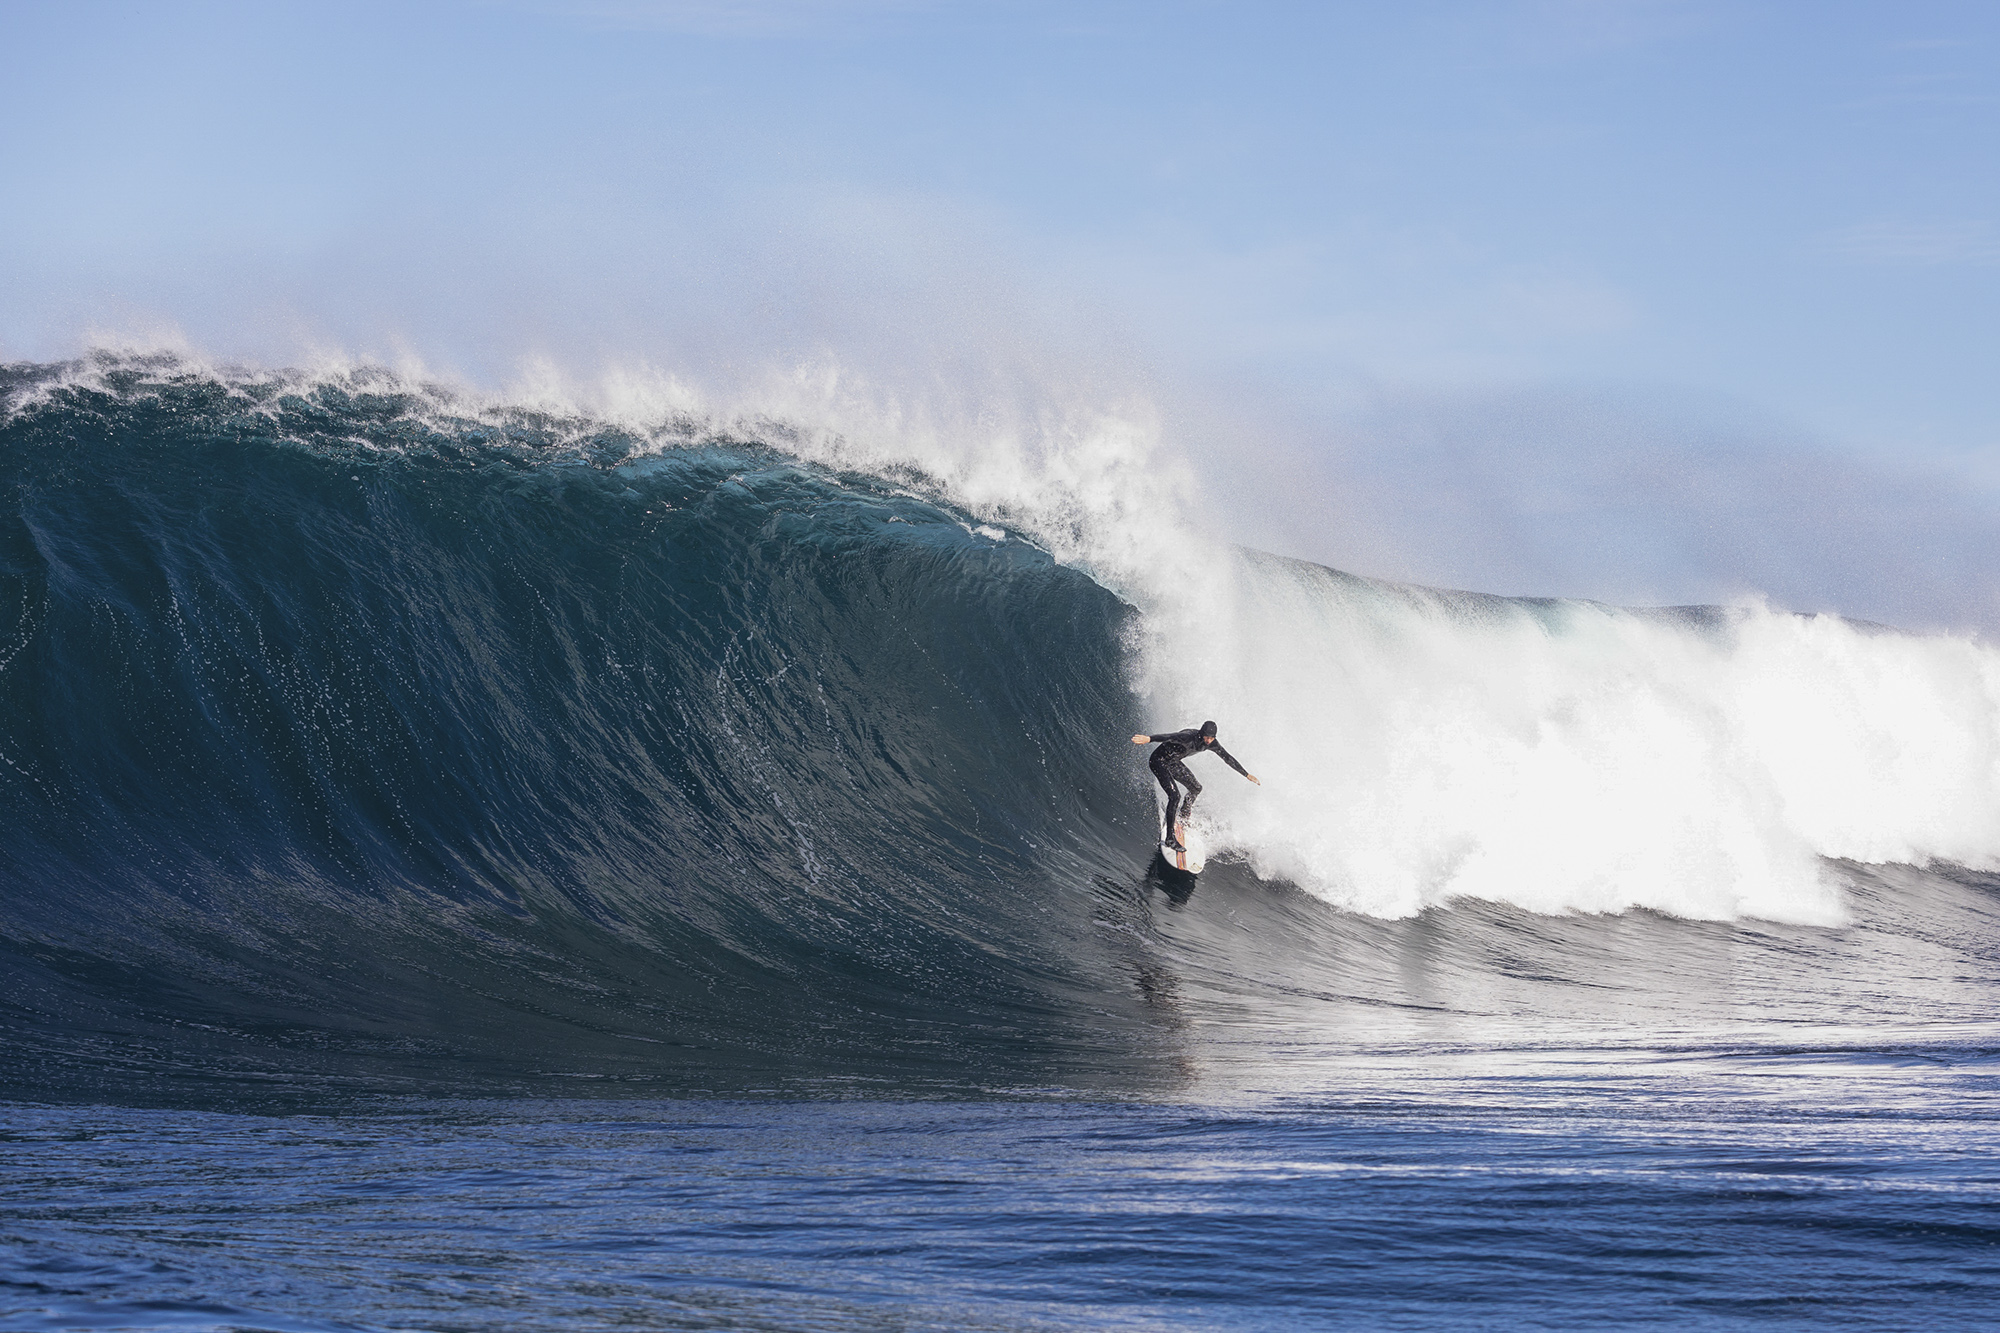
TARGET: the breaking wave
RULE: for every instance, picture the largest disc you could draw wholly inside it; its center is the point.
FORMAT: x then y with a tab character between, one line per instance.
361	733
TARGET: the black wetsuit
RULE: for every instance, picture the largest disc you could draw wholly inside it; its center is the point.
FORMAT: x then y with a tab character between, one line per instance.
1168	768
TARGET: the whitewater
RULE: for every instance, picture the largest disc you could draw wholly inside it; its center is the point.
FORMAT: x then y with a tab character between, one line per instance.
594	855
1430	744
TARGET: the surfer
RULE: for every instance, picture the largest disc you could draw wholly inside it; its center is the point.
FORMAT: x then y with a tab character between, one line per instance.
1173	774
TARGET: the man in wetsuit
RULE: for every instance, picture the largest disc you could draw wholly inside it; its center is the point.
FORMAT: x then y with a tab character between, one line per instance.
1168	768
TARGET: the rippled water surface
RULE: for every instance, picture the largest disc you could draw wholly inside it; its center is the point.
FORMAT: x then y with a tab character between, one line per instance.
1437	1189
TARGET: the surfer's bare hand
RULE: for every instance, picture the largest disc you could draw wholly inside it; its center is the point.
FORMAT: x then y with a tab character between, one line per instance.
1253	778
1140	740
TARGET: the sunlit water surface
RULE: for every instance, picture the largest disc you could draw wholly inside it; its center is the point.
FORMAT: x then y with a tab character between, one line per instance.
1428	1189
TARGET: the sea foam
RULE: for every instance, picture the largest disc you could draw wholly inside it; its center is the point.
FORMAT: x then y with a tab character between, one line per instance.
1418	745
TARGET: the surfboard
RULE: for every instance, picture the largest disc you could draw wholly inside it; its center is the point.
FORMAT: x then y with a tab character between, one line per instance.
1190	861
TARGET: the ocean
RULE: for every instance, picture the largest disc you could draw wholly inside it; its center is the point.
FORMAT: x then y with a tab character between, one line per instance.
482	864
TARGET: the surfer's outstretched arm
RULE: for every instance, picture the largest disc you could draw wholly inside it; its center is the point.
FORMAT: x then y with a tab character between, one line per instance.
1230	760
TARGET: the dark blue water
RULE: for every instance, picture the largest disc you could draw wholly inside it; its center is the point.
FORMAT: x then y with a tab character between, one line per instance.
1557	1202
470	869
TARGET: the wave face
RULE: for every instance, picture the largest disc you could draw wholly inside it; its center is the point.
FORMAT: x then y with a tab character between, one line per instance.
358	737
340	738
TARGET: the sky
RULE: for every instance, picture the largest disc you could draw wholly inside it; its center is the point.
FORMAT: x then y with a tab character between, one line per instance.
1642	300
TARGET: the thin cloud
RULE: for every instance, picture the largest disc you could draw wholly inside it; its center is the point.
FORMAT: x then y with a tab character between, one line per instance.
725	18
1581	29
1927	243
1929	44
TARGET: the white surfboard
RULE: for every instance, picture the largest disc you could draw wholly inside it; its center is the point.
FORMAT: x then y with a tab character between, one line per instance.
1194	858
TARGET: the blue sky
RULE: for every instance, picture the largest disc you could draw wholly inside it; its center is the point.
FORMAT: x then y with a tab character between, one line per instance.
1649	300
